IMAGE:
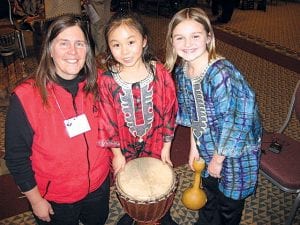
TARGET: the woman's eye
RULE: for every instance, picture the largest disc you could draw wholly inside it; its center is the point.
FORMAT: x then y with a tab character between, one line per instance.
196	36
131	42
63	44
80	44
115	45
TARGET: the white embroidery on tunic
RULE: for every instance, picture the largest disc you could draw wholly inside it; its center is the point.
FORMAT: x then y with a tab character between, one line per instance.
200	124
128	107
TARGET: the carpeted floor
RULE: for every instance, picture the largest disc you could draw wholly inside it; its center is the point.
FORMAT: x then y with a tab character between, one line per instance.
268	207
276	30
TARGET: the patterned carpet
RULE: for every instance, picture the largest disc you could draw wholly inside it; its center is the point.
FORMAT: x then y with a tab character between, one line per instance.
276	29
268	207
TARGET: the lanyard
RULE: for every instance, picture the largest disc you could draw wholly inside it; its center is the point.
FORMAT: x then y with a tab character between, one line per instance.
58	105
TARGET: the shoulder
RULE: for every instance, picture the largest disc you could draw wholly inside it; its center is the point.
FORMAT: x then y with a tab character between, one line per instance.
224	74
28	95
104	76
103	73
178	72
219	64
178	69
26	87
223	69
159	67
162	73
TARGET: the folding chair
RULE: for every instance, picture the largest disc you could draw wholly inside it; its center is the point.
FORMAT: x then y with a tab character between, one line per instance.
11	38
280	162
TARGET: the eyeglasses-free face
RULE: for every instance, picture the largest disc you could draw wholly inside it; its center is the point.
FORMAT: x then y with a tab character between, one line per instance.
189	39
68	51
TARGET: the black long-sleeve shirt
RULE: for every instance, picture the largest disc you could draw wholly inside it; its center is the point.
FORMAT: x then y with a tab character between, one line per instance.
19	137
18	142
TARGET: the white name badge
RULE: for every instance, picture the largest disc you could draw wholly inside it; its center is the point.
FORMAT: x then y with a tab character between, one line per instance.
77	125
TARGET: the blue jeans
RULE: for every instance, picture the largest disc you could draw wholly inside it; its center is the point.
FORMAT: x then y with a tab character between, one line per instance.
92	210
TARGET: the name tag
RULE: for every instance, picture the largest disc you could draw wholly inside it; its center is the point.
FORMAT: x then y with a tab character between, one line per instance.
77	125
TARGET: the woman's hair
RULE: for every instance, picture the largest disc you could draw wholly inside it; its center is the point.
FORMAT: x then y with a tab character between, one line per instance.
133	21
46	70
197	15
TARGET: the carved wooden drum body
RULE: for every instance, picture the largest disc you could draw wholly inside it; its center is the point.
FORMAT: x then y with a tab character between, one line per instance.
146	189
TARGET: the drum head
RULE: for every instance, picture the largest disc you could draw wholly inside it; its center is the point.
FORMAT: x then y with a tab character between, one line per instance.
145	179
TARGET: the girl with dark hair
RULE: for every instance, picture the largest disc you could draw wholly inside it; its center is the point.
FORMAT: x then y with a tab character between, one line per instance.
138	98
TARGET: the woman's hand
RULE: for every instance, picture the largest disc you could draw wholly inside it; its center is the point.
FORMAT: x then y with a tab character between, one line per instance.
215	166
40	206
42	209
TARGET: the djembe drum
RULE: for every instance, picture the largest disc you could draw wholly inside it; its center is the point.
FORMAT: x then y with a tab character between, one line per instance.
146	189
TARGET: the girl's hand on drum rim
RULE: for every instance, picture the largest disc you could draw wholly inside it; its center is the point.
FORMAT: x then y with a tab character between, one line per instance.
165	153
168	161
118	163
116	171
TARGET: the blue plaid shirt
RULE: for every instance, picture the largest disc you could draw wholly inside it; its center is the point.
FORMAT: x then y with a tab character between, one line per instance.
233	125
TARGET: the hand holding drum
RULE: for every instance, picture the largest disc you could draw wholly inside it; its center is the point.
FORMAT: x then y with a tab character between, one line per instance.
194	198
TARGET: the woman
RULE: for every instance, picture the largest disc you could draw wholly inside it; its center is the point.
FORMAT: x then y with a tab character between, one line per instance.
51	132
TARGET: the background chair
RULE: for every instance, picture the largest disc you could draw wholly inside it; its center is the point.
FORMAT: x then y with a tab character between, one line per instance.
125	5
11	38
54	9
276	2
159	7
283	168
12	48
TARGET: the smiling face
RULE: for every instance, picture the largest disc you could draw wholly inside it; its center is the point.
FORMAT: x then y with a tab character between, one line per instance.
126	45
68	51
189	40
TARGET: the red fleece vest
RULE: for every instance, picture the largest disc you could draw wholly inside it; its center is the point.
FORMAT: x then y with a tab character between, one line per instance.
66	169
